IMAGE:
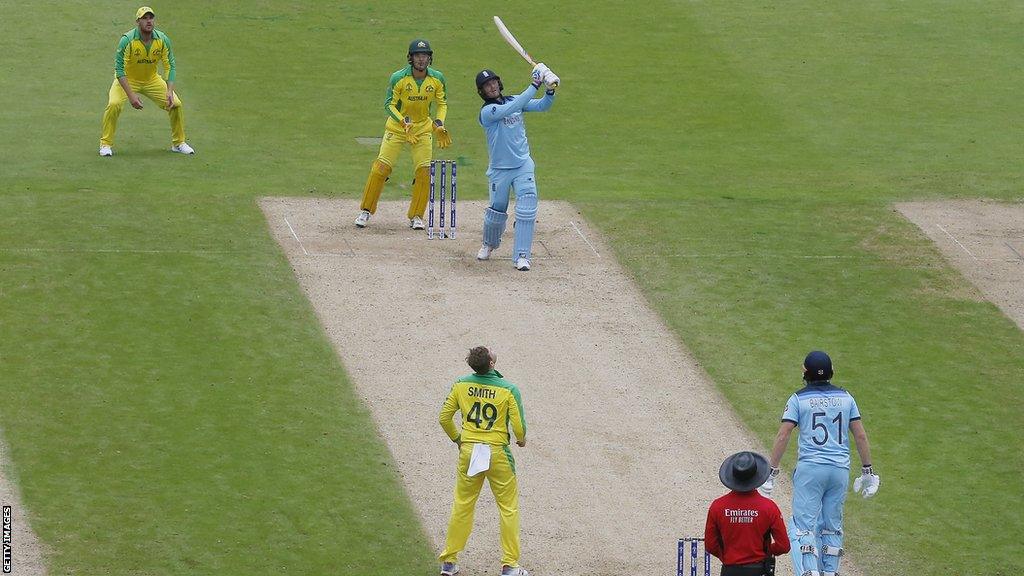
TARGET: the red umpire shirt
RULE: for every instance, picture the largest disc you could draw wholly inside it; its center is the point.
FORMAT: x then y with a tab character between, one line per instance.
736	528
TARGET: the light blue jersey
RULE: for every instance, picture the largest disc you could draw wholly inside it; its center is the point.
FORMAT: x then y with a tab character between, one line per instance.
823	413
502	120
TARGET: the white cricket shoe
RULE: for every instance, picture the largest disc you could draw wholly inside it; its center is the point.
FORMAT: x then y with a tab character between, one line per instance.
449	569
417	223
363	218
106	150
514	571
484	253
522	264
183	148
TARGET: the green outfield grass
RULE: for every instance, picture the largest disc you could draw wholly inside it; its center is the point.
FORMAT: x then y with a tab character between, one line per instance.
173	407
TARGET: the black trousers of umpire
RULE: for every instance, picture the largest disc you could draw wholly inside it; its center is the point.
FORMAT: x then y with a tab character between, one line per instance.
758	569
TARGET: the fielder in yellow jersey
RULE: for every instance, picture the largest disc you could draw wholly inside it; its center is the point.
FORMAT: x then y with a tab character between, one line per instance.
491	410
407	102
139	52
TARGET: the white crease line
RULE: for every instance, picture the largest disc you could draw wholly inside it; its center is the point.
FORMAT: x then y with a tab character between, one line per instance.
958	243
1014	250
584	238
385	256
296	236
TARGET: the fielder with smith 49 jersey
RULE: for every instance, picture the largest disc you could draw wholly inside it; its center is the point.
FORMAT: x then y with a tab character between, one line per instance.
139	52
407	102
491	410
827	416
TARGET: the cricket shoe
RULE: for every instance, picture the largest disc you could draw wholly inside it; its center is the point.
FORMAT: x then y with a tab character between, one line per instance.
523	264
514	571
183	148
417	223
449	569
363	218
106	151
484	253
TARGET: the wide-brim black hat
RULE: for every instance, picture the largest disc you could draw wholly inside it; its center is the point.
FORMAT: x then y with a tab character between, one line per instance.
744	471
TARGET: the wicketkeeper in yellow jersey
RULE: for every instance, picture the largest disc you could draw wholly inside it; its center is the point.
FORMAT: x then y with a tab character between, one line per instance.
135	72
491	410
407	102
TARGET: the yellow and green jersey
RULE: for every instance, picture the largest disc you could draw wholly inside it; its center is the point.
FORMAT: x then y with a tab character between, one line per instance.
407	96
138	61
491	407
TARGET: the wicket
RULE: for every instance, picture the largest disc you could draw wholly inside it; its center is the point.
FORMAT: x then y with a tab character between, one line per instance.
681	559
441	165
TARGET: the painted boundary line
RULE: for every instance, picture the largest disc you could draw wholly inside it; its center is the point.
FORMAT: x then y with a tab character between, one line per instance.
120	251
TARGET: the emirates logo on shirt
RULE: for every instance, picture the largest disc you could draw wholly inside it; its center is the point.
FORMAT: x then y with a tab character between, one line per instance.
740	516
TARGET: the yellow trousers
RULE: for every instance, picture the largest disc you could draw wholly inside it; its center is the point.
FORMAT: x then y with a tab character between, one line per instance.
502	478
155	90
390	148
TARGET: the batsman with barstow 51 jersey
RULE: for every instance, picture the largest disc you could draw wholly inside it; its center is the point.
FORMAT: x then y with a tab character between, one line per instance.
492	409
827	416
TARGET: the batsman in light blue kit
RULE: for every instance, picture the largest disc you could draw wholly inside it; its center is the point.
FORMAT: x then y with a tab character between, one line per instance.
826	416
510	166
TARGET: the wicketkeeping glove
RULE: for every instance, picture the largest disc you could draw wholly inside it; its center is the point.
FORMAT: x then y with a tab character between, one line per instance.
407	126
444	139
868	482
769	484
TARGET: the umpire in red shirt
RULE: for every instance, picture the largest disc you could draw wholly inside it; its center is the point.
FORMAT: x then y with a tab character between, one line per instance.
745	530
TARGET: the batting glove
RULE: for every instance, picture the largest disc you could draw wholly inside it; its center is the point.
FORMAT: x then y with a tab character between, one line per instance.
868	483
551	80
539	71
769	484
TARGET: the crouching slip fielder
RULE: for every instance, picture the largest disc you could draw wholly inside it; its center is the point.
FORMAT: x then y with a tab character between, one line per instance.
407	103
135	72
491	408
510	165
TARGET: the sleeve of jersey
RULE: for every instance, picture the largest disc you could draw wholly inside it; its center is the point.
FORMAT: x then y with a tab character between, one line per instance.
451	404
119	57
854	411
517	415
792	411
780	539
441	97
391	100
540	104
712	540
493	113
168	59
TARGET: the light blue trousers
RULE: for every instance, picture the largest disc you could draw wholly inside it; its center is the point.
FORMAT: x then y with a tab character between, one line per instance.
501	183
819	492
